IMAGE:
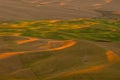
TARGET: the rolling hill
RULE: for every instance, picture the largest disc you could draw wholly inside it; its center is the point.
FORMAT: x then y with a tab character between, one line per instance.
59	40
78	49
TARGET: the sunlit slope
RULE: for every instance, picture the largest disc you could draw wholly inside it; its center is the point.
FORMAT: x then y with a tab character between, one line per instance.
90	29
47	65
84	60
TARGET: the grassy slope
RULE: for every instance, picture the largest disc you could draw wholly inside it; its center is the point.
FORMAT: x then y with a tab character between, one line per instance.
91	29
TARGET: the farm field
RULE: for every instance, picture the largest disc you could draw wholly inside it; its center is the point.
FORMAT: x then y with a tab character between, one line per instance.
85	49
59	39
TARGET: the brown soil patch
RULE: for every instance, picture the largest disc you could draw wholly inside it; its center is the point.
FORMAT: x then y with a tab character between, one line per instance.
108	1
112	57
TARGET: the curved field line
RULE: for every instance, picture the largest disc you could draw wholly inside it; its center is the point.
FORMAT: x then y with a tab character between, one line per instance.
67	43
9	54
88	70
26	41
111	57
